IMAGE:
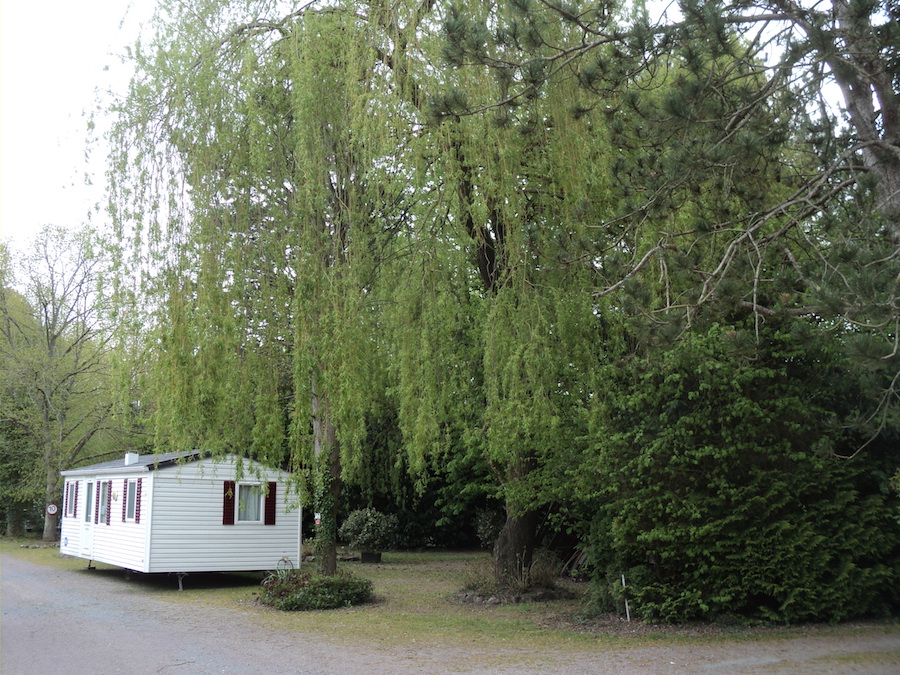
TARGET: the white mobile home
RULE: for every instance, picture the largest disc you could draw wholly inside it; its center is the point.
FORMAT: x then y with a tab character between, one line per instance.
181	512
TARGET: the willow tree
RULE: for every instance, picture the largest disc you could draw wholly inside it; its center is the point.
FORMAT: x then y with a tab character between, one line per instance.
256	175
490	355
195	200
353	204
556	192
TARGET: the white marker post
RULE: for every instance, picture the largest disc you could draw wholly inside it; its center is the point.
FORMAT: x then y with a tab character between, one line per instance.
625	594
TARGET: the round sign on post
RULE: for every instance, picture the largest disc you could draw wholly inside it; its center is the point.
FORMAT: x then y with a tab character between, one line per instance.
52	509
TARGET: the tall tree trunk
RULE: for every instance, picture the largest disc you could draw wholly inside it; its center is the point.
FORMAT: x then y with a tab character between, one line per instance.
51	525
51	496
51	477
328	483
514	548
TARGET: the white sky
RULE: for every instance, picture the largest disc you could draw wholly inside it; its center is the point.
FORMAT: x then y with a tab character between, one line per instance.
53	56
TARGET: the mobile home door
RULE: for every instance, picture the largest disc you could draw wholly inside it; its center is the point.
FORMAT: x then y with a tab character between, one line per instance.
87	522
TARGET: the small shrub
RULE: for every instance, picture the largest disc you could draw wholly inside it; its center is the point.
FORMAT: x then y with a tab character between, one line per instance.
479	577
293	590
369	530
542	574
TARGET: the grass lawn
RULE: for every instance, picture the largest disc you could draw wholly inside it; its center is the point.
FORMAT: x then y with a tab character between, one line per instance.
415	603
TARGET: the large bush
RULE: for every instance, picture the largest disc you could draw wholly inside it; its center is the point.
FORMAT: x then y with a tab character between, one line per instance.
296	591
369	530
719	492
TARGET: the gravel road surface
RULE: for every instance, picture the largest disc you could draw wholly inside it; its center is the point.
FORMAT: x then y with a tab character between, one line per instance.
72	622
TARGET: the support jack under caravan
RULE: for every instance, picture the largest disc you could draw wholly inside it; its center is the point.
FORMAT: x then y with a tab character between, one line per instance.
181	576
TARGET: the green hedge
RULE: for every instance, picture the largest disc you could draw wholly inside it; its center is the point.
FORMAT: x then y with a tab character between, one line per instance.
719	494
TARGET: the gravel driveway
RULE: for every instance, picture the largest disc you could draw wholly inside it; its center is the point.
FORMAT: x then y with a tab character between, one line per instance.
73	622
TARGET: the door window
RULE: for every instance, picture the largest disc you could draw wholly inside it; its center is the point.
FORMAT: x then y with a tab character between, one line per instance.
104	501
88	502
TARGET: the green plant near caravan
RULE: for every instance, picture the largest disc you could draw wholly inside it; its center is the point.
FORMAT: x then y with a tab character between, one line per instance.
369	530
293	590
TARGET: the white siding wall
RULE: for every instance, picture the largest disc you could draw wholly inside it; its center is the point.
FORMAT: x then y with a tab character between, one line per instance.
122	543
119	543
187	534
70	529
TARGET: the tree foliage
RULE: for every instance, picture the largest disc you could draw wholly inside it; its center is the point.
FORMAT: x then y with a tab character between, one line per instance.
564	260
57	395
717	490
272	226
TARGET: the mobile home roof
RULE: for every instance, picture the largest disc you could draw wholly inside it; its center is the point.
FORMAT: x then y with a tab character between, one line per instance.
140	464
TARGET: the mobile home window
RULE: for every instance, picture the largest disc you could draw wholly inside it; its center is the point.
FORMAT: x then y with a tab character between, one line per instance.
248	502
104	501
249	509
131	489
70	498
89	502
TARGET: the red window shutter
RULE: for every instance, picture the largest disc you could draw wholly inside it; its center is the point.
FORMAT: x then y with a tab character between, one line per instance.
137	501
75	506
97	503
66	500
108	500
124	499
271	504
228	503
